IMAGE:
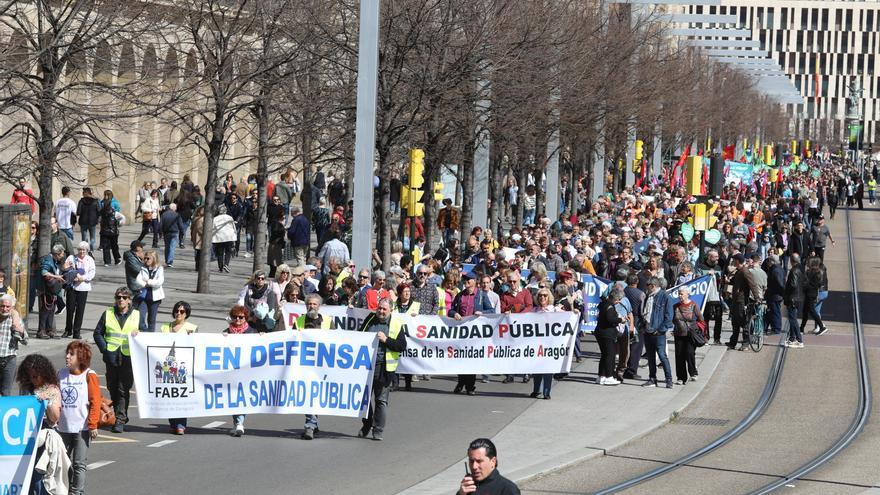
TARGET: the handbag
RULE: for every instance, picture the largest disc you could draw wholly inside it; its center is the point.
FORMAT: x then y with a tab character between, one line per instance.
697	336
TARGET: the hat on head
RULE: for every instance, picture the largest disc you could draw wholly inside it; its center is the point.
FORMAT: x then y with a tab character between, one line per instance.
738	257
297	270
469	275
310	268
447	201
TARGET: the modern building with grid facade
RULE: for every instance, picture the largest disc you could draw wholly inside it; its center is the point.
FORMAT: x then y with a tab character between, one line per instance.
822	46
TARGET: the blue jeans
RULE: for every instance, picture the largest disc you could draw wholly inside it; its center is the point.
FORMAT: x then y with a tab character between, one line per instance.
529	216
312	421
823	294
88	234
794	328
182	236
543	383
68	233
7	376
148	311
773	316
655	345
171	241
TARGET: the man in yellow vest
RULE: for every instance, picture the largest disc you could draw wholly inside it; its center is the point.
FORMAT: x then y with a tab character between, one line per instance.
392	341
313	319
872	188
111	337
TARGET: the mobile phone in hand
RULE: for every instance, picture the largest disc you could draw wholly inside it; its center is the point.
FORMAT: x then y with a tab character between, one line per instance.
467	469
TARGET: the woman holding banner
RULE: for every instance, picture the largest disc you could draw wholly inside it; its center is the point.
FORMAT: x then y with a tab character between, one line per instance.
544	381
180	312
238	325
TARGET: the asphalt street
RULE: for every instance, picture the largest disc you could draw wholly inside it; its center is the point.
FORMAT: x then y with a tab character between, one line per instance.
813	407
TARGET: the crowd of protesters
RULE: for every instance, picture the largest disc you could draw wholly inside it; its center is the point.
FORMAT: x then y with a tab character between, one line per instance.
770	251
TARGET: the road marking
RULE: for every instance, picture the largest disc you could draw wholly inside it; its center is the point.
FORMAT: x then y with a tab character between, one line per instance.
789	485
497	412
113	439
162	443
214	424
99	464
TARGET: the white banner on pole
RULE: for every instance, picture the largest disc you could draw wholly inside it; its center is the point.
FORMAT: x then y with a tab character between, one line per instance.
321	372
488	344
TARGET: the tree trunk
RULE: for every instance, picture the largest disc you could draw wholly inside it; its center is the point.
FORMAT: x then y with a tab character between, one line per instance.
215	148
496	191
466	173
260	236
383	214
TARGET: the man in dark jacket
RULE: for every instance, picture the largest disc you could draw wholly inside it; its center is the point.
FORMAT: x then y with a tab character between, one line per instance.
712	265
794	299
392	342
636	299
171	226
87	214
299	233
744	288
469	302
774	294
134	262
799	241
483	476
658	313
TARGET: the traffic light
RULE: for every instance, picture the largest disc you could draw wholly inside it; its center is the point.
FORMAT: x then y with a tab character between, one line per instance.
768	154
416	168
438	191
637	166
794	147
716	175
711	219
694	175
404	195
808	151
698	218
414	206
774	175
640	151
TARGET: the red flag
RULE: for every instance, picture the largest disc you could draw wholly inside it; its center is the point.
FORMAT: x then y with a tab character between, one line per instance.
728	152
705	179
683	158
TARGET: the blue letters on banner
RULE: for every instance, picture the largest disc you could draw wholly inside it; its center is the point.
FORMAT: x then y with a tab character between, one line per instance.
702	289
594	287
20	419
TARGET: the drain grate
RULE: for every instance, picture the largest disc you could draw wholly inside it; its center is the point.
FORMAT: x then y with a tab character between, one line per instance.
702	421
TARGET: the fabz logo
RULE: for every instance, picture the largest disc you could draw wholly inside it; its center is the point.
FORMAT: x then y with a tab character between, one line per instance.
172	375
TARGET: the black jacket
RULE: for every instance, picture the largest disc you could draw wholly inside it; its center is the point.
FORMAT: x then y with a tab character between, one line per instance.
794	287
495	484
171	222
800	244
775	284
608	317
87	212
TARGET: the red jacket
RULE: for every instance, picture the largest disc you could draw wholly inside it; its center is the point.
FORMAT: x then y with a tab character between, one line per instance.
521	303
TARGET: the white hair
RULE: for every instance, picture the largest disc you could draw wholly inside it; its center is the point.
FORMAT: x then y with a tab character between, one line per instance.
84	245
8	297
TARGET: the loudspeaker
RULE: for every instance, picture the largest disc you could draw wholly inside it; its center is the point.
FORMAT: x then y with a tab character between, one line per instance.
716	175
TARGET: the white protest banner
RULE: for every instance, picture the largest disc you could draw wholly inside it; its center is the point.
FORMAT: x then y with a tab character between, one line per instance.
310	372
489	344
20	419
702	290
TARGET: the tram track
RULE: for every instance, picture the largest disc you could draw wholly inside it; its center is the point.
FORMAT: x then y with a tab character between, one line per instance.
764	402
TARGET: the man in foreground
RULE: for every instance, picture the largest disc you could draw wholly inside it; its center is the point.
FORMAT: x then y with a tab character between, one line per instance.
482	474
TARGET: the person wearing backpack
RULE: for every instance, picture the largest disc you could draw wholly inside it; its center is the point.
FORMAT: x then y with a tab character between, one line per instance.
80	410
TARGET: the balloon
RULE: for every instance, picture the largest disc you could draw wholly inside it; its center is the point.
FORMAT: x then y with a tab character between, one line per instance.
712	236
687	232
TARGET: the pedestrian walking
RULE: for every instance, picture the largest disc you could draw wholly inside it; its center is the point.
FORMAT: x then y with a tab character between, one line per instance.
111	336
88	214
794	299
151	278
150	217
171	225
391	343
83	267
658	316
80	410
815	278
685	320
275	250
223	238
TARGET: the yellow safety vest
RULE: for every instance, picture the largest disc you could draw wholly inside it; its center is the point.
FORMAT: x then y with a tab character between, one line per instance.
441	301
117	335
392	357
186	328
413	308
872	185
301	323
344	274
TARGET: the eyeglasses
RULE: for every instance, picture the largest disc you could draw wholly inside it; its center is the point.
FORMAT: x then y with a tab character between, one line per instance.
238	317
423	274
543	295
121	297
180	311
261	278
364	277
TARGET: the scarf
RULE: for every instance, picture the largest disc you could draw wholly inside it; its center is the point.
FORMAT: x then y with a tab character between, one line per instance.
238	329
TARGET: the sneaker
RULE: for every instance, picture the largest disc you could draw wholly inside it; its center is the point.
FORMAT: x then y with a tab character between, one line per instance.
533	395
651	382
179	430
308	434
426	378
106	264
508	379
632	376
679	382
457	389
611	381
821	330
248	255
602	380
798	345
525	378
363	432
118	262
237	431
694	378
668	384
169	265
484	380
118	428
472	392
787	343
377	436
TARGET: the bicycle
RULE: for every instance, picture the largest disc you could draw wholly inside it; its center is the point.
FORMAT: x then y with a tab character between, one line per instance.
755	314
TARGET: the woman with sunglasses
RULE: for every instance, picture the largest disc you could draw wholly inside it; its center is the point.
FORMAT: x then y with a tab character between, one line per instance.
238	325
179	324
151	278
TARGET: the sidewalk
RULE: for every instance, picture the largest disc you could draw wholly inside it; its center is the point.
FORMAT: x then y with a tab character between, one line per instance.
582	421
